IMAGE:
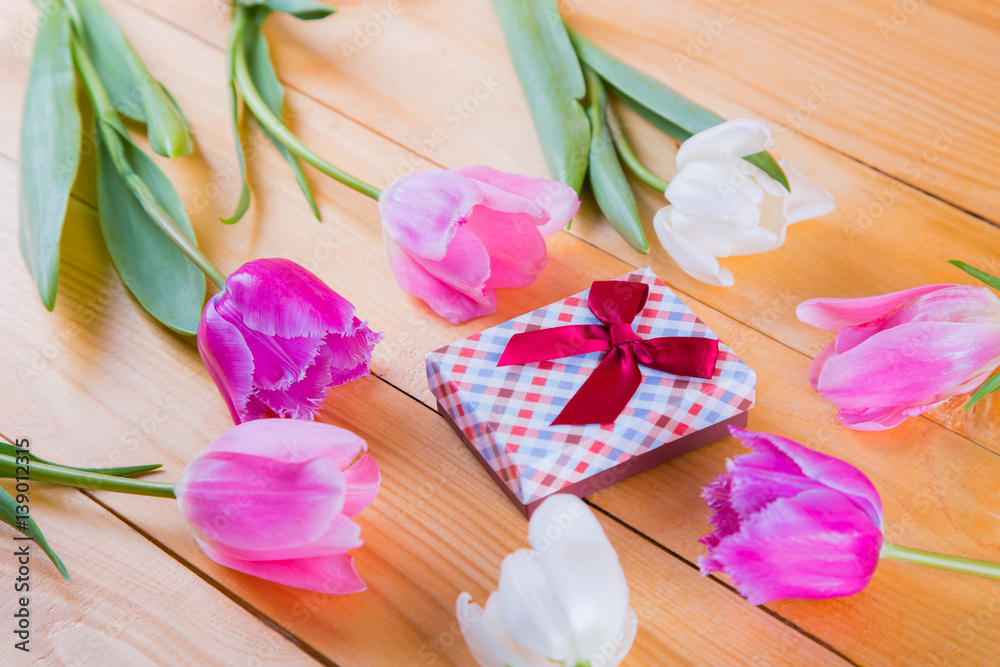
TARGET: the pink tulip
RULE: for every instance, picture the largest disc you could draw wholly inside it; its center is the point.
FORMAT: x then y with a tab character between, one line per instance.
275	498
901	354
792	523
277	339
455	235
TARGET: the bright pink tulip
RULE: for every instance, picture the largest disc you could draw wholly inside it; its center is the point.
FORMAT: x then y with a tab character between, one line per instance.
274	498
455	235
277	339
792	523
898	355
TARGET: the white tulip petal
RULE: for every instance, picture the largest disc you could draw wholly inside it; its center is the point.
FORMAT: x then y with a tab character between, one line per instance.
722	240
531	612
583	570
486	647
620	644
806	200
739	137
693	259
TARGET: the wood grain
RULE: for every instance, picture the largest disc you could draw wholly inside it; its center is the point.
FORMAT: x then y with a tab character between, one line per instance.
99	381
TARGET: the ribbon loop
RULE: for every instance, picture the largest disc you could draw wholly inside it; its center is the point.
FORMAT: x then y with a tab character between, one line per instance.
609	388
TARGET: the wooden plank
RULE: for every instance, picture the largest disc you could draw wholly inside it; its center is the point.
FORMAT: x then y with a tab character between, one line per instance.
129	603
140	356
884	236
438	528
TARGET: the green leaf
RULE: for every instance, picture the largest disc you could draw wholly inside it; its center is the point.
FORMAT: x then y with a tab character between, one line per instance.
659	104
123	471
50	152
133	90
553	84
647	91
990	280
769	166
164	281
265	80
988	387
8	514
607	179
307	10
235	106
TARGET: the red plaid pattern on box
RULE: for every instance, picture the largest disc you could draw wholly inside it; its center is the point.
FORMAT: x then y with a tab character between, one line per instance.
505	412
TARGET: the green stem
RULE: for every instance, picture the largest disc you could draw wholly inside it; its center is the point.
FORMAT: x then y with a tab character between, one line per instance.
272	123
980	568
628	155
112	130
42	472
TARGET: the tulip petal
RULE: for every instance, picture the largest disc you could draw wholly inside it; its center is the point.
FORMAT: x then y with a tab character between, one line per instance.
878	419
582	569
253	502
919	363
448	302
739	137
824	469
615	650
692	259
816	545
350	354
487	649
559	201
529	607
806	200
305	397
334	575
278	297
363	480
421	212
835	314
516	250
226	358
343	535
290	441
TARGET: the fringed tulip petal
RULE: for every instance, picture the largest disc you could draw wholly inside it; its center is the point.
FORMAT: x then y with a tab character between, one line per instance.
334	575
815	545
277	339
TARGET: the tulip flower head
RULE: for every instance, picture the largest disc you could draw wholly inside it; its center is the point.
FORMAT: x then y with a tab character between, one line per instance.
453	236
721	205
901	354
563	602
275	499
277	339
791	522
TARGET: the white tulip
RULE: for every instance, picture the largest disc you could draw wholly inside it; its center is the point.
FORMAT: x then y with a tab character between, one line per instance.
721	205
562	602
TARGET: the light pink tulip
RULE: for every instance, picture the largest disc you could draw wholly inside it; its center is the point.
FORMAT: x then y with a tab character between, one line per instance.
901	354
454	236
792	523
274	498
277	339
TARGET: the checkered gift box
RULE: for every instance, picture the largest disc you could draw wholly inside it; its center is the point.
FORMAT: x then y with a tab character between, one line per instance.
503	414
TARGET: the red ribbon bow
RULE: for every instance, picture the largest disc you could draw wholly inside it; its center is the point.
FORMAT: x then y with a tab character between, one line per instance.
610	387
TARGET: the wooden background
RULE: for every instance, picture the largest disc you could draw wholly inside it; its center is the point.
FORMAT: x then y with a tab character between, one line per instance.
890	104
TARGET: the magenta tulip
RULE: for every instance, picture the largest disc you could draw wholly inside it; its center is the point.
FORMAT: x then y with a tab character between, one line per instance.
455	235
792	523
275	498
277	339
901	354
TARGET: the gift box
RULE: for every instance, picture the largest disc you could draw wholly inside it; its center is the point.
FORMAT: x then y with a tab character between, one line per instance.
505	413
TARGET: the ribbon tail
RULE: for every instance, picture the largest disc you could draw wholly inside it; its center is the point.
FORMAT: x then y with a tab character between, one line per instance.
606	392
544	344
